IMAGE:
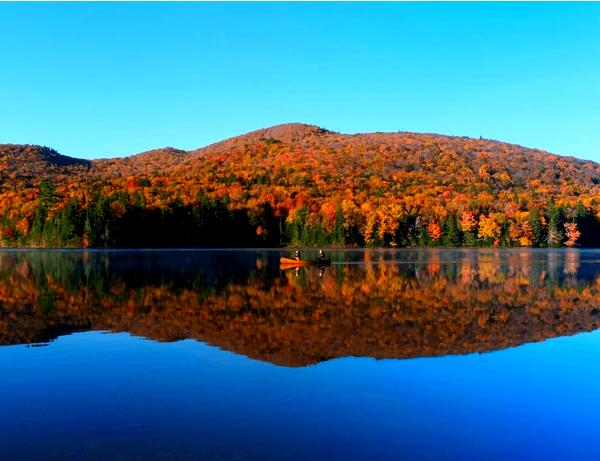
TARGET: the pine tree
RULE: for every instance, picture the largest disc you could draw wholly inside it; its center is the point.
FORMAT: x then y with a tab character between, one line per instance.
537	228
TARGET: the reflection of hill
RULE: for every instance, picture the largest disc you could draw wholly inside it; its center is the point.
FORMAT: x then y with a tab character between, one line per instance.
428	307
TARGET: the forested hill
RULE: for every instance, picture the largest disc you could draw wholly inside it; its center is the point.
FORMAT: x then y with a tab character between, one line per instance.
300	184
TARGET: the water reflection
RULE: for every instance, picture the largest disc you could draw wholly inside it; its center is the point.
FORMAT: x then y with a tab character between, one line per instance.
383	304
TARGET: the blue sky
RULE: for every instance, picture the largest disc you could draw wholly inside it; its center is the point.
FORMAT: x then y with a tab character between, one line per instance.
111	79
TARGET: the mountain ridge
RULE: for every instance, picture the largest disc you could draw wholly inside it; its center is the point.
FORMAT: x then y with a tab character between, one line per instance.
285	132
302	184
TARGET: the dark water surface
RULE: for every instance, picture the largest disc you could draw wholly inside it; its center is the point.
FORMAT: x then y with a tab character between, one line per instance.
220	355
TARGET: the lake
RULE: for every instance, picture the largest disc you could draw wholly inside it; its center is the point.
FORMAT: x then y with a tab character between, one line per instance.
221	355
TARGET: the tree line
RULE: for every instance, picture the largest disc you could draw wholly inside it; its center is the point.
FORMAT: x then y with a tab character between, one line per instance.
122	219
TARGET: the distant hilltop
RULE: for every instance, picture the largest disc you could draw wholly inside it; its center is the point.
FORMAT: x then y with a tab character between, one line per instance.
298	184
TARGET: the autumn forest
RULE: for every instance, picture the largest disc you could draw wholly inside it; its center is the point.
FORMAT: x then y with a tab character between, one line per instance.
301	185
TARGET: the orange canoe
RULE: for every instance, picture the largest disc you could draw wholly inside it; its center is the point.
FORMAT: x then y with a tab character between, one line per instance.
288	262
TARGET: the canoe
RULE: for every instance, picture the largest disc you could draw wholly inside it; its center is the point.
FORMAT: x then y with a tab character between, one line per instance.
293	262
289	263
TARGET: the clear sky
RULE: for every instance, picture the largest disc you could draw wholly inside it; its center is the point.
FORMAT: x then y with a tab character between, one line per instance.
111	79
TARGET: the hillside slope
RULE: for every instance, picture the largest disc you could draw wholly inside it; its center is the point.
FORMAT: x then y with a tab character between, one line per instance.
23	165
303	185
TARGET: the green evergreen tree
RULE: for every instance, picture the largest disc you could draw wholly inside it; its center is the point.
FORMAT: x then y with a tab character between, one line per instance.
451	233
555	235
537	228
339	237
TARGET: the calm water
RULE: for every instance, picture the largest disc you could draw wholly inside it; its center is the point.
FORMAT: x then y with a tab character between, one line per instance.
219	355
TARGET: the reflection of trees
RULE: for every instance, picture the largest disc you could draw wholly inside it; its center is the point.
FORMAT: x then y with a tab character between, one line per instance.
571	263
421	306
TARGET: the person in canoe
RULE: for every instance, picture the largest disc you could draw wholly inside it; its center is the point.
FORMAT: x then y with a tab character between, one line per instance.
322	260
294	261
321	257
